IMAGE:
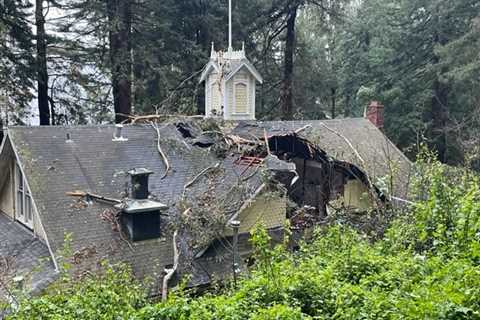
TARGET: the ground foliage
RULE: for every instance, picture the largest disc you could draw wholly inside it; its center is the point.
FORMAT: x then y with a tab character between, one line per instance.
427	266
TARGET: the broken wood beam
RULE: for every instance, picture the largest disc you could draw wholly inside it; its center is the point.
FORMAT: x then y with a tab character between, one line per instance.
85	194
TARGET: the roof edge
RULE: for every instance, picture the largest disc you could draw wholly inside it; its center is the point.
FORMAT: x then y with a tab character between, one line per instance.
250	68
206	71
47	242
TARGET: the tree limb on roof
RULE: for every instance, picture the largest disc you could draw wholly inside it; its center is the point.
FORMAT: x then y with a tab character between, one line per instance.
170	272
160	151
204	171
93	196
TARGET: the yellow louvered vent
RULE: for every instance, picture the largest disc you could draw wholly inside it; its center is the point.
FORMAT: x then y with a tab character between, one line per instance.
241	99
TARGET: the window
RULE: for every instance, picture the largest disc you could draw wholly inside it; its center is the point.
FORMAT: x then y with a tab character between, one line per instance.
23	210
241	98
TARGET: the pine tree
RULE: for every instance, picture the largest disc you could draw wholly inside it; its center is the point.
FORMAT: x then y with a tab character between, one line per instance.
16	61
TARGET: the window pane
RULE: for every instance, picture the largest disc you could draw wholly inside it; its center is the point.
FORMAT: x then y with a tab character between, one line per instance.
19	208
19	178
28	208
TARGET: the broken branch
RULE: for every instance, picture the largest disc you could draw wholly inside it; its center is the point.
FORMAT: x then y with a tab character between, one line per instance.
303	128
347	141
93	196
171	272
266	141
204	171
160	151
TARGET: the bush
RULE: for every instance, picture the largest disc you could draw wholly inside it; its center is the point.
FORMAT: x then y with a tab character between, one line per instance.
426	267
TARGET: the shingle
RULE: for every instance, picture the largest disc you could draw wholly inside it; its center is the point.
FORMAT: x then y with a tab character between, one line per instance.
92	162
21	254
380	158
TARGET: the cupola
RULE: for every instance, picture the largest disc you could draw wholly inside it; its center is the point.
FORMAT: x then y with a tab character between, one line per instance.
230	82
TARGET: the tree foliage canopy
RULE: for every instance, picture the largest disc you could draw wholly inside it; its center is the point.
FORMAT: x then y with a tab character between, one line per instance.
319	59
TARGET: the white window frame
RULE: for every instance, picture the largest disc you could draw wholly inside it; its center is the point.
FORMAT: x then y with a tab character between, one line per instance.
247	85
23	199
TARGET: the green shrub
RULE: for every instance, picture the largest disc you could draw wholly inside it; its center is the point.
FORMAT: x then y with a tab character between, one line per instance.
426	267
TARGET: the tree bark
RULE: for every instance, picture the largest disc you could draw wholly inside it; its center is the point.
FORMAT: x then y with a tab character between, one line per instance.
287	86
334	102
120	22
42	72
1	131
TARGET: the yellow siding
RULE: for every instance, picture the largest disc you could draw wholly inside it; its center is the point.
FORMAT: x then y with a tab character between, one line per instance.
267	210
241	98
356	196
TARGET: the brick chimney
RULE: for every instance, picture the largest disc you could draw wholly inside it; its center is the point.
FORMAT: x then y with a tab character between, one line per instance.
375	113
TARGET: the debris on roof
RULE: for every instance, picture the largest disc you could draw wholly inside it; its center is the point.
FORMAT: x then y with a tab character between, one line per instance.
204	172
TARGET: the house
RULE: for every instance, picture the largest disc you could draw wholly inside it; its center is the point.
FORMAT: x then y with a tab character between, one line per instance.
138	194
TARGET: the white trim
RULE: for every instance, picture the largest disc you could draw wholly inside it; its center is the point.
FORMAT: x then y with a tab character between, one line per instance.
21	214
34	205
247	203
208	67
250	68
4	142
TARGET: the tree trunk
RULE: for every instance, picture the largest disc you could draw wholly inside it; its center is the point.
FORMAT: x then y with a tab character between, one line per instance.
348	108
287	86
120	21
42	72
334	102
1	131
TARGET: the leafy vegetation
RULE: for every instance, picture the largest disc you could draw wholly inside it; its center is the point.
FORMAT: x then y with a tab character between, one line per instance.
427	266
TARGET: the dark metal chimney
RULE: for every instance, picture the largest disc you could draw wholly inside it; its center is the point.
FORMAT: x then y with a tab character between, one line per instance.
139	183
141	216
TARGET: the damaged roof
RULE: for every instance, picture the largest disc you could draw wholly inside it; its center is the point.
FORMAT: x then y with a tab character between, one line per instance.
91	161
356	141
204	174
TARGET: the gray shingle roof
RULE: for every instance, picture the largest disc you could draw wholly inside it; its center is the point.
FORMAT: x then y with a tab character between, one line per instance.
21	254
379	156
94	163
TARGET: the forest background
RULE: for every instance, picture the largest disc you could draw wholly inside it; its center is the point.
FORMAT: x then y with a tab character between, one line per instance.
72	62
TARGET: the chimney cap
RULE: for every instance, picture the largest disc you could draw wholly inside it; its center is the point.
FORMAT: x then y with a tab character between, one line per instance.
118	135
235	224
140	172
142	206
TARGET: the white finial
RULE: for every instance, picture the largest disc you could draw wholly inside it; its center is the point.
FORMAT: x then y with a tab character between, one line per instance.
212	52
243	46
230	47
